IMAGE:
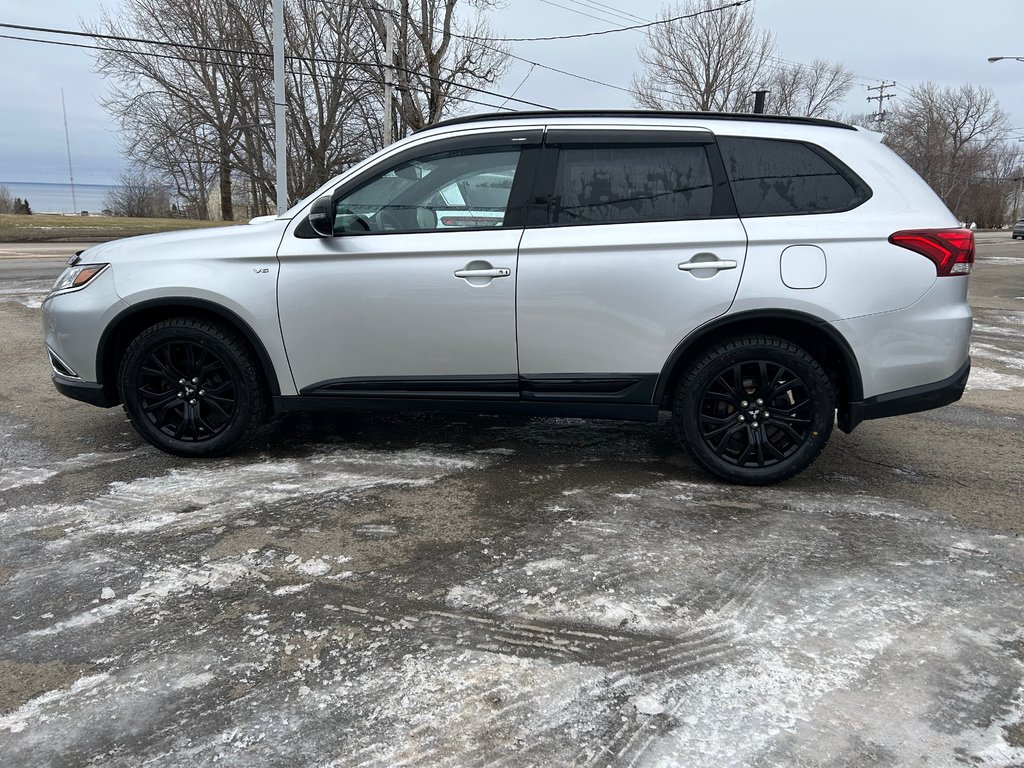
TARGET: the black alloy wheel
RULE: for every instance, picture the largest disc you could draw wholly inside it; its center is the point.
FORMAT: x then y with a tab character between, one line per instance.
191	387
755	410
186	391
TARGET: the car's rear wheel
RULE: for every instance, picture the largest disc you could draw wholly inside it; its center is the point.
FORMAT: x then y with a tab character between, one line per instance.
191	387
754	410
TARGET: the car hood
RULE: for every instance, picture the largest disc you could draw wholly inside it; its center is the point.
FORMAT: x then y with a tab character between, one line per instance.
259	238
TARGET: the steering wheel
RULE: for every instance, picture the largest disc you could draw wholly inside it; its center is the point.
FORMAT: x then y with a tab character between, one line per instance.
352	222
387	221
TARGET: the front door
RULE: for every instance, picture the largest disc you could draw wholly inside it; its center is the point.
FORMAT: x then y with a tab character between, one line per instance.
415	294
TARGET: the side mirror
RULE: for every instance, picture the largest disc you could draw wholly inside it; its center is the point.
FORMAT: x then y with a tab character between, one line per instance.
321	216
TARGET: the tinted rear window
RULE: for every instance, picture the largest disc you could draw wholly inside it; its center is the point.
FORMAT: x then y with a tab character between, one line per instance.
620	184
773	177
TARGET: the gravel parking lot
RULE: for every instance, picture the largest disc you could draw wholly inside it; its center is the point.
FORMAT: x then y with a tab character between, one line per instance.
387	590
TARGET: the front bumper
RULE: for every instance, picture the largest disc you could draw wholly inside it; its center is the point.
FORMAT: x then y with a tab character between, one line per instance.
912	400
86	391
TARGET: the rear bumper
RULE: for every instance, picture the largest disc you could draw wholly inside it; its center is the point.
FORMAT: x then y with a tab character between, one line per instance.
912	400
86	391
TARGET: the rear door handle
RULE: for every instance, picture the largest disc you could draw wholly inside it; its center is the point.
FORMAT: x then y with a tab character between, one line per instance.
689	266
493	272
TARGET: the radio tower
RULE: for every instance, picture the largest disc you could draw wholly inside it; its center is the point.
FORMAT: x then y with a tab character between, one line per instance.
67	141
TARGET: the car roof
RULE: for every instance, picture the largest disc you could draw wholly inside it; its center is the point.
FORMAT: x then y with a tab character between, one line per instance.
556	114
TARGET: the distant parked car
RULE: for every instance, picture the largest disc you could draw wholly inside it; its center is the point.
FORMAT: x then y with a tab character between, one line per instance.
1018	229
760	278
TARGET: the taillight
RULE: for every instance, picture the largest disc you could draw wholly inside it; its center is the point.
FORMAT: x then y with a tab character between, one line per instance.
952	250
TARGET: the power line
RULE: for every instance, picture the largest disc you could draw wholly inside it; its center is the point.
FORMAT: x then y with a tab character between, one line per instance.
215	49
609	7
645	25
485	43
516	90
150	54
567	72
251	67
580	12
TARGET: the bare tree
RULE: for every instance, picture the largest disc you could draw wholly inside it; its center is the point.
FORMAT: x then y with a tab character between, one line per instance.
332	119
182	75
708	58
992	199
191	89
139	194
957	139
708	62
812	90
6	202
438	59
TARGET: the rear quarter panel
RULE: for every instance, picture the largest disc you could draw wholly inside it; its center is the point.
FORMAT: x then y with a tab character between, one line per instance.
865	274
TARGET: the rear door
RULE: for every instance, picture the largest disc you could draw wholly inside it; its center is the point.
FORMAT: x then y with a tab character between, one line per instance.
632	243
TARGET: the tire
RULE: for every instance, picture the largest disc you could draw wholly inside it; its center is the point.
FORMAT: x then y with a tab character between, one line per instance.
191	387
755	410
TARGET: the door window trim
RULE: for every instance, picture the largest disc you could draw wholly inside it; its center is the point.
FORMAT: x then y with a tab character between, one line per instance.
539	208
528	140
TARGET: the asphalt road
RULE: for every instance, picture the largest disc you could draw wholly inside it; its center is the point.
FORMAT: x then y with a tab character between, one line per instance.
388	590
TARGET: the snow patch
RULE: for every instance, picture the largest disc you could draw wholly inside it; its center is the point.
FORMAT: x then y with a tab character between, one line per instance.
291	589
18	477
159	586
983	378
550	564
18	720
205	495
313	567
992	352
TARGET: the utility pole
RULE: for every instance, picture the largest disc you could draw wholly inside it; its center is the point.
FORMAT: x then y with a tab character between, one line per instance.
1016	198
281	151
389	74
67	141
882	87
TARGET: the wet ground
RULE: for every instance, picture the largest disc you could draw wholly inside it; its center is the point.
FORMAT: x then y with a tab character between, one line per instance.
387	590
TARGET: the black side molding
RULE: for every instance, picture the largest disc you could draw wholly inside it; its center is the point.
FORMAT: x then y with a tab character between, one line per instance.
436	387
613	411
912	400
623	388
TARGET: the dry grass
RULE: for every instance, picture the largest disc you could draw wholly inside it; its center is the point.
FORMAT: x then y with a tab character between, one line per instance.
48	228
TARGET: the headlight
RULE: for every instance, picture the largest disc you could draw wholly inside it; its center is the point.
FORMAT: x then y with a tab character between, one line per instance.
77	277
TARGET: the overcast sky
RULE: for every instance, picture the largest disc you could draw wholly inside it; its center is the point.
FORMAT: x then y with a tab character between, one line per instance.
908	41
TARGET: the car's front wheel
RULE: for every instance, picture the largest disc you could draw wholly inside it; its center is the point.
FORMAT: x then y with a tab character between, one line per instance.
191	387
754	410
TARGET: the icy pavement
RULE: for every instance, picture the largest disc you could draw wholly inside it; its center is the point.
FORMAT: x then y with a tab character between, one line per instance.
389	606
27	292
996	359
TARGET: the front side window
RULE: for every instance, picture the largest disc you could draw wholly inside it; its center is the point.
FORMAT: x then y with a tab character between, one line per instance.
460	189
622	184
775	177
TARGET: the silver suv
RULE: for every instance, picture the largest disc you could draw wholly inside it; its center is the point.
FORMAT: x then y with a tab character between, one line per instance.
761	278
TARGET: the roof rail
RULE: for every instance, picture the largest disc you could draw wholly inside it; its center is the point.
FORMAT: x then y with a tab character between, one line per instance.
663	113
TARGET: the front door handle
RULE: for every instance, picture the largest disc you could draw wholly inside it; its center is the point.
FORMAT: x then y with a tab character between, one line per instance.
690	266
488	273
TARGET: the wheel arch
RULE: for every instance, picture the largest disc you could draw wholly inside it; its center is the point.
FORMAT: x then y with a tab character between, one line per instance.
126	326
819	338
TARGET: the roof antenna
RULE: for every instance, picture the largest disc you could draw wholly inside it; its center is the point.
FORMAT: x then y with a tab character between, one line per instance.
67	140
